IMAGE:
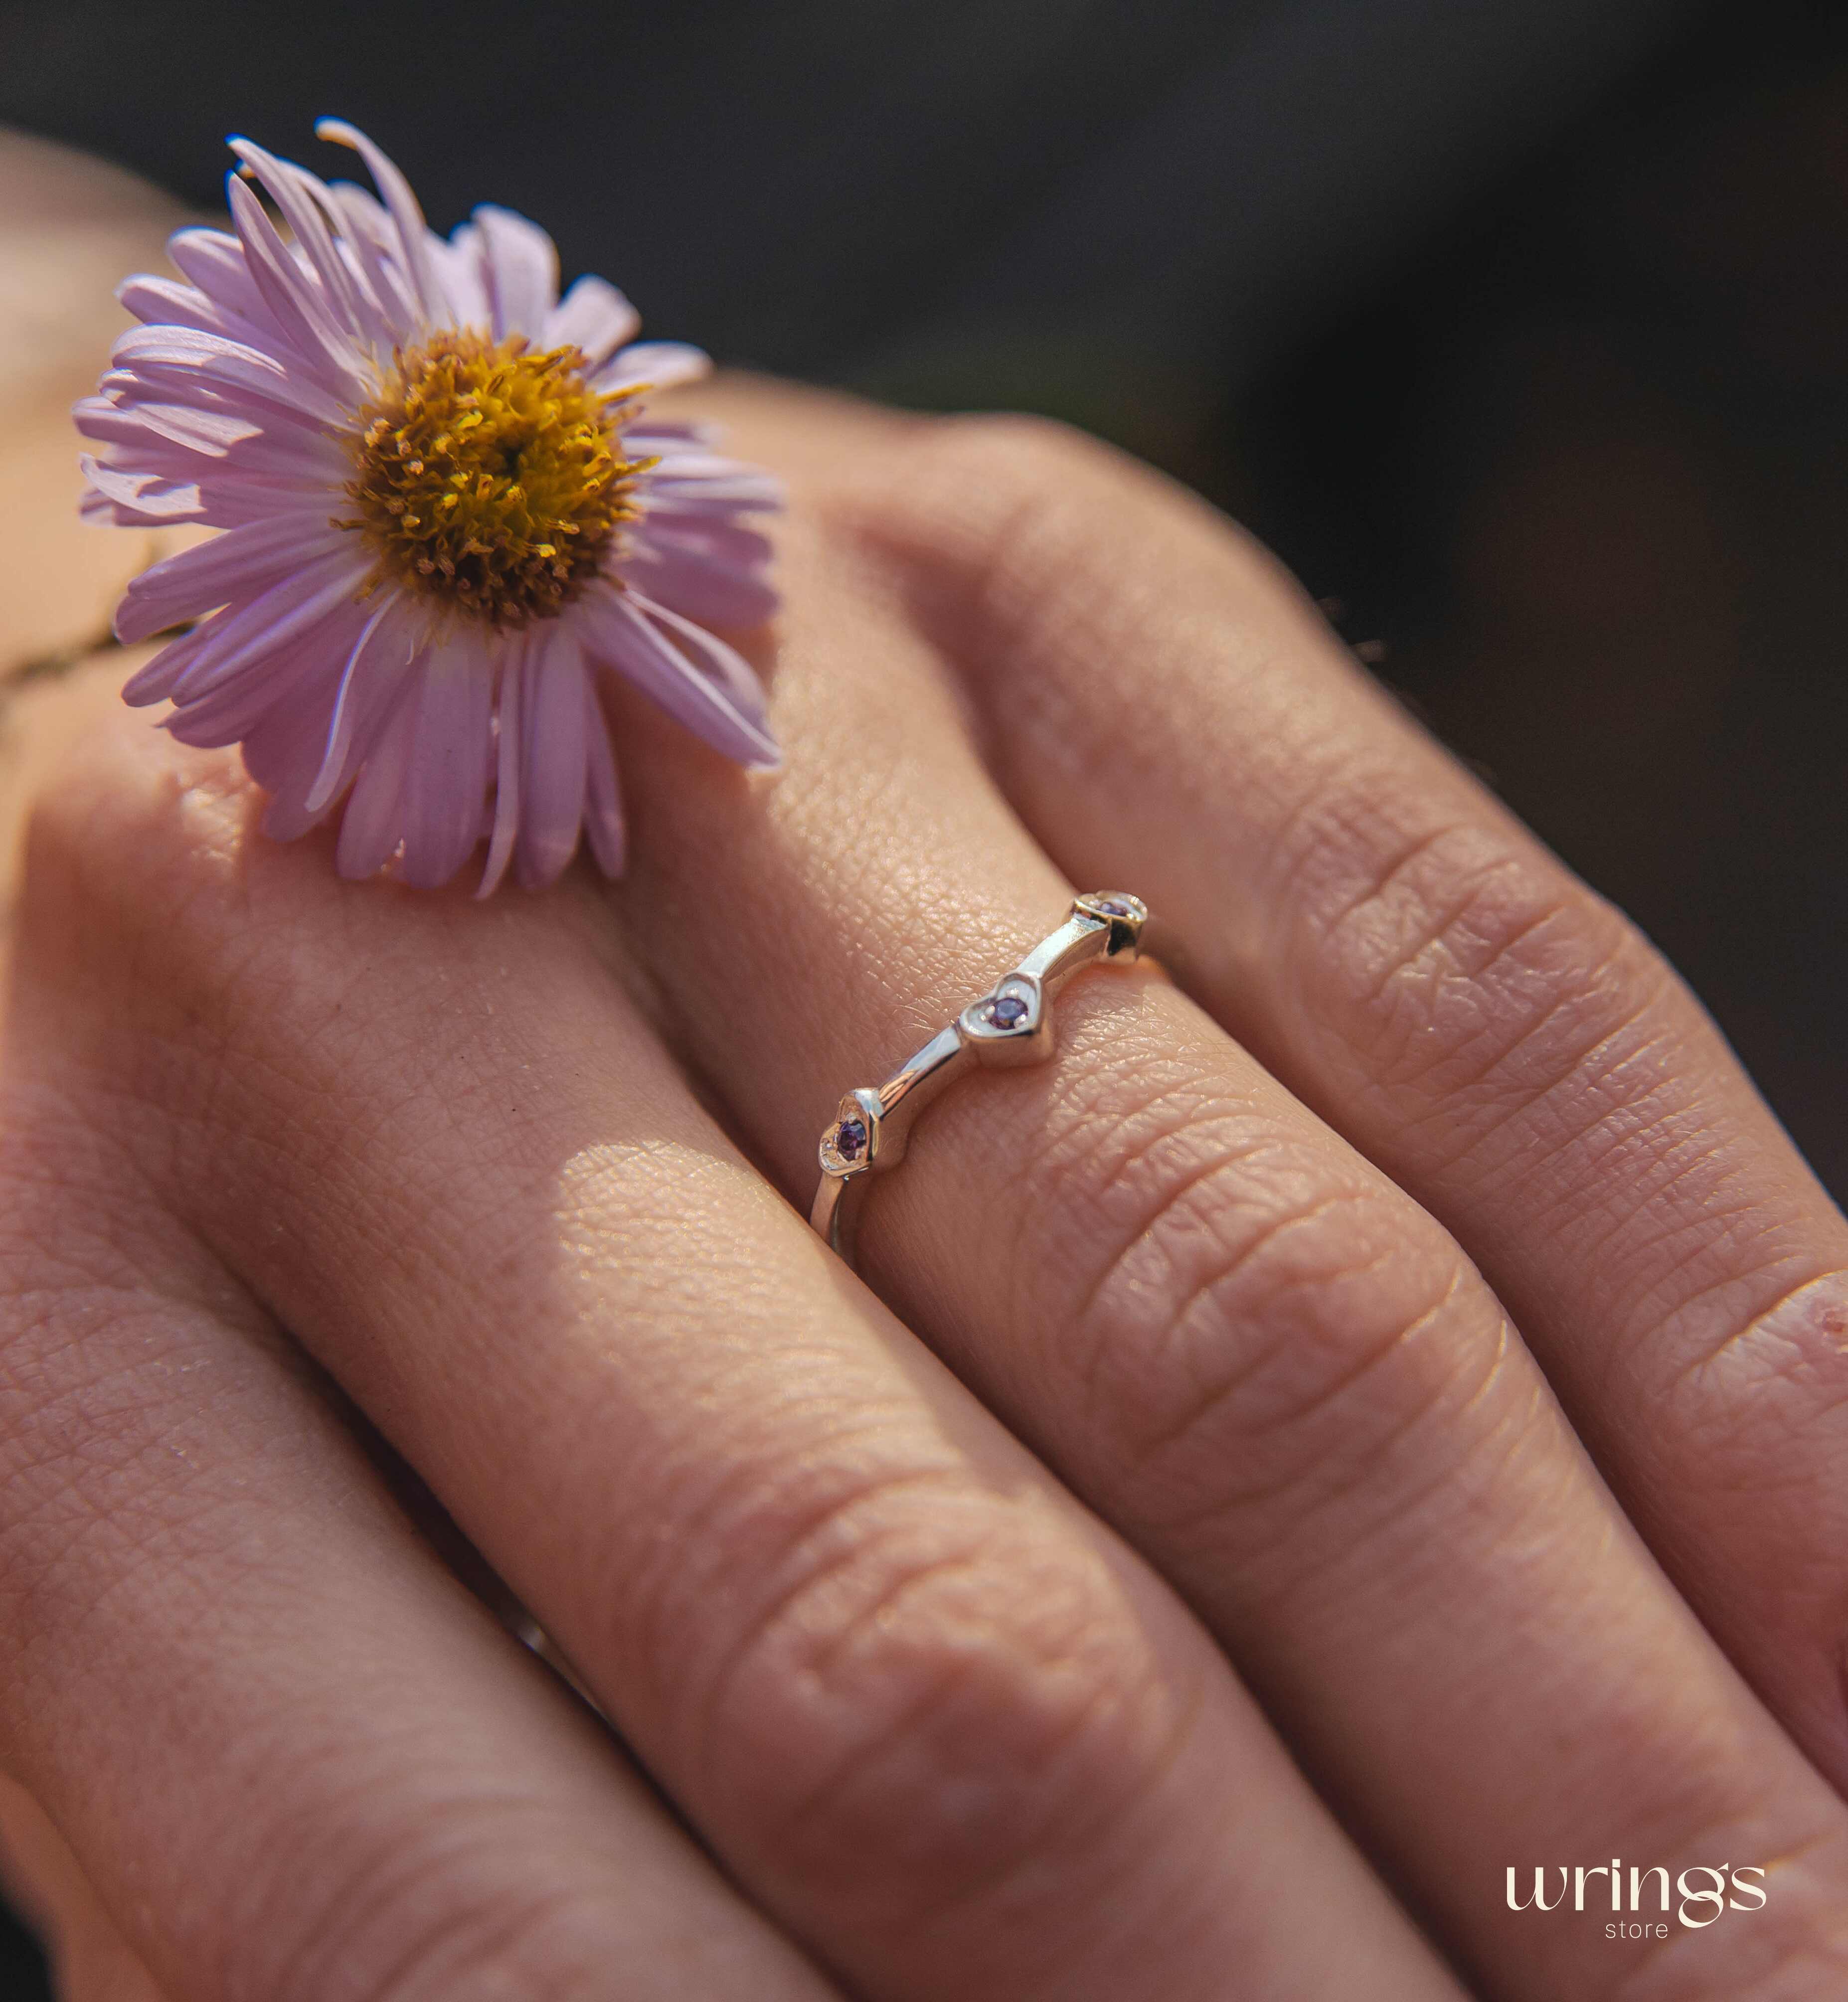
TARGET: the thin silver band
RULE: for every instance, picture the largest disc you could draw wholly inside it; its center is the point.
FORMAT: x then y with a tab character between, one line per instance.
1011	1024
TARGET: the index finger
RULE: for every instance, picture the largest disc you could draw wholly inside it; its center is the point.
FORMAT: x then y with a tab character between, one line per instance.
1415	965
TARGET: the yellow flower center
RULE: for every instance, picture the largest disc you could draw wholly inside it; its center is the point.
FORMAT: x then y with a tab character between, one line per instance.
491	478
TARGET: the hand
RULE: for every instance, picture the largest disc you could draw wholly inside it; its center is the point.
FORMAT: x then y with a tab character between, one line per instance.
1170	1573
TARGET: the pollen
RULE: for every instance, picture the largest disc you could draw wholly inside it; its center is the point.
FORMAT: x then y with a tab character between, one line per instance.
491	477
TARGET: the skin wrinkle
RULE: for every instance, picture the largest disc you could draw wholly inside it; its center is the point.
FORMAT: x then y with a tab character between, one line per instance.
1554	1209
1380	885
444	1963
1364	1363
1307	1579
1759	1329
402	1894
991	1887
829	1519
1559	1072
446	1956
1466	990
1404	969
1640	1318
1085	1311
1356	1471
1230	1273
1631	1130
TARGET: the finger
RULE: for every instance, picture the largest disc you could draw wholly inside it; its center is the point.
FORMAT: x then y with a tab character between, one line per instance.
295	1759
93	1961
1420	969
924	1708
1233	1336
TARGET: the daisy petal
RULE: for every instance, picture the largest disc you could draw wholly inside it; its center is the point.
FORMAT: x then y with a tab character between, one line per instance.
522	266
446	782
349	702
700	586
510	699
551	788
231	639
279	748
725	664
593	317
168	302
373	825
659	364
401	204
368	241
213	360
709	704
240	564
214	260
146	496
602	799
292	295
293	191
723	542
238	707
461	265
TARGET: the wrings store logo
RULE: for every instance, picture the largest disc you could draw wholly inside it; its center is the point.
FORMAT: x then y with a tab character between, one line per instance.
1700	1895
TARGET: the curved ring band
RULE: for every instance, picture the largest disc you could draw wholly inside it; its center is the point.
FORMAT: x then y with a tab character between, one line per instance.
1011	1024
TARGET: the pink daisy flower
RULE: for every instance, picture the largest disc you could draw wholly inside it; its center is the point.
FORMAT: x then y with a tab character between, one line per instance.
443	513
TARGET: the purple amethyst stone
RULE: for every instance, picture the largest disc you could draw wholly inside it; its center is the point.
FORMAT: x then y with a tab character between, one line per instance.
850	1139
1007	1013
1115	907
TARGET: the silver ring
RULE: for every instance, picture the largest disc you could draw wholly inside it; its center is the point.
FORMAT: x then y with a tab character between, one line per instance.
1011	1024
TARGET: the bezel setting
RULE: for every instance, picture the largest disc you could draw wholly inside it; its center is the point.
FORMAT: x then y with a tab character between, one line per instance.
1124	914
1009	1023
859	1109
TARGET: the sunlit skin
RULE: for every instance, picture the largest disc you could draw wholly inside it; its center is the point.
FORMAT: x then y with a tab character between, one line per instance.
1363	1421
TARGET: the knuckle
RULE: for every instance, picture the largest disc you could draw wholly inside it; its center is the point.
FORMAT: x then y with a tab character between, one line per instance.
130	882
470	1902
1259	1308
125	798
1458	960
945	1683
1016	505
1033	454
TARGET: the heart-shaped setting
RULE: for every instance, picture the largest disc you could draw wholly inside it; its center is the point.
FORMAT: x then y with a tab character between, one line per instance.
849	1145
1009	1024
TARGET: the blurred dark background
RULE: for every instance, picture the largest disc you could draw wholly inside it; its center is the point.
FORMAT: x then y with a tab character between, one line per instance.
1520	329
